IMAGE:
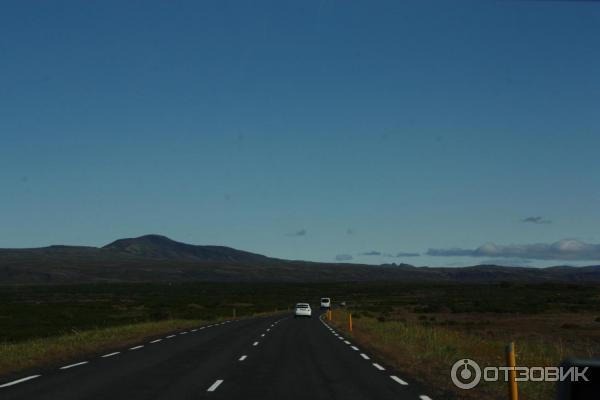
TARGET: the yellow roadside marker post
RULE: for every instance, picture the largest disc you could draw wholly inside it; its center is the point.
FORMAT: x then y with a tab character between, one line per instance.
350	322
513	393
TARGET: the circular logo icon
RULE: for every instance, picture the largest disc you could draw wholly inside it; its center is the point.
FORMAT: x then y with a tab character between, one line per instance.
466	373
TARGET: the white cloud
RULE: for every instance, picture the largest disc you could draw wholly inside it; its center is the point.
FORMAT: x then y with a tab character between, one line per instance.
566	249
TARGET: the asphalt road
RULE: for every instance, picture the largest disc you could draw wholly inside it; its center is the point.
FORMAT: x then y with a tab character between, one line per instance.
259	358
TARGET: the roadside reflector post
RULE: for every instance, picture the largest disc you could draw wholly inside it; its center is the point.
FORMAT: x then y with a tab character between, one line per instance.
350	322
513	393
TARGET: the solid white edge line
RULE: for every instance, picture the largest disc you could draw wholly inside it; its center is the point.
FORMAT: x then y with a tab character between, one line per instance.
111	354
73	365
215	385
28	378
242	358
379	367
400	381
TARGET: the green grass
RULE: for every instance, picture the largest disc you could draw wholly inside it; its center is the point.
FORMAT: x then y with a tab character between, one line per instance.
428	352
58	349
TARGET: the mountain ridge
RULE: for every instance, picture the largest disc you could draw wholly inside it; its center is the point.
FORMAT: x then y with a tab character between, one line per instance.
157	258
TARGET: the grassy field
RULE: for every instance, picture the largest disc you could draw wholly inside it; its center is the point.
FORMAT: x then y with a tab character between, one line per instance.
421	328
62	348
424	332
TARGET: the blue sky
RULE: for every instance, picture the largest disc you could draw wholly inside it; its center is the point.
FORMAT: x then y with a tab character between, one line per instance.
306	130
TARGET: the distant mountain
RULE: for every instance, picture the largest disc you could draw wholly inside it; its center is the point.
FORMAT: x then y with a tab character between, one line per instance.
161	247
155	258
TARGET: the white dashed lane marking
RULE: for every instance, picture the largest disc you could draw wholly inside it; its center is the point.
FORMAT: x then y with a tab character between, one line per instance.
28	378
424	397
74	365
354	348
400	381
363	355
215	385
379	367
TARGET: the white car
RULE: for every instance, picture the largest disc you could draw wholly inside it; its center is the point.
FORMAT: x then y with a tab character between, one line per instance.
302	310
325	302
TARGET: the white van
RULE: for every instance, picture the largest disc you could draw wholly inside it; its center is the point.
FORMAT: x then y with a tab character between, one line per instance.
325	302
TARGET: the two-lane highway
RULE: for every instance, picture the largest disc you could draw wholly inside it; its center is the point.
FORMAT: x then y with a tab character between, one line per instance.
264	358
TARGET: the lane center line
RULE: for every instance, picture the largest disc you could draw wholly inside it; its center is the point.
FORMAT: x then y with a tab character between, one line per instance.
74	365
215	385
28	378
